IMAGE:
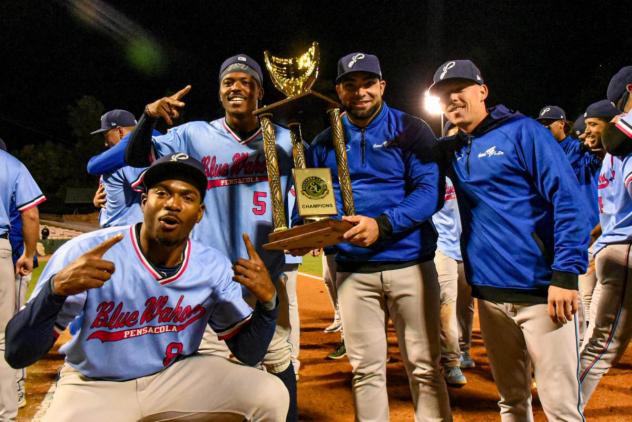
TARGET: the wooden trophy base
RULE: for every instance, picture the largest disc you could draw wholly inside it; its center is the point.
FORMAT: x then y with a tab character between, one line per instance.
311	235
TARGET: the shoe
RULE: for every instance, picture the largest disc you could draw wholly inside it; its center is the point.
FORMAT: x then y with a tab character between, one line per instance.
334	327
454	377
466	361
339	353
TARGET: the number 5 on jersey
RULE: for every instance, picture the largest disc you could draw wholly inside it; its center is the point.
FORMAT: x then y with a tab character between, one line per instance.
259	202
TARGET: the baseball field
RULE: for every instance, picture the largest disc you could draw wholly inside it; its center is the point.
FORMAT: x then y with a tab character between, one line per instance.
324	386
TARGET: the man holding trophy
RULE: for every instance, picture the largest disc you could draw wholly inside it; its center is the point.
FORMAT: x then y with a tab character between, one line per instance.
385	265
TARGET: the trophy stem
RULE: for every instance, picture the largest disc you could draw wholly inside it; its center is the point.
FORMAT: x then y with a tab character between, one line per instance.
298	152
274	178
344	178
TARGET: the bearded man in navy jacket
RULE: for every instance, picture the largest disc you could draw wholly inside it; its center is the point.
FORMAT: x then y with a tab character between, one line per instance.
524	242
386	266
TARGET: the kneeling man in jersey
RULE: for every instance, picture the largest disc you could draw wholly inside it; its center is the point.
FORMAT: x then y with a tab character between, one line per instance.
137	299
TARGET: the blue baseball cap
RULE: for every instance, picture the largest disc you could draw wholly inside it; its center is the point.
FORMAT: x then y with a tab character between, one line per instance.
457	69
176	166
579	126
115	118
242	63
604	109
551	112
358	62
617	86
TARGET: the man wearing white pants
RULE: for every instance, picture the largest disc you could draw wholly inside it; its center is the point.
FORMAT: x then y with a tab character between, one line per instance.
449	265
385	269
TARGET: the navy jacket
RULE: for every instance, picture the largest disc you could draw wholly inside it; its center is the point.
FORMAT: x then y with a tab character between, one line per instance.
524	220
394	178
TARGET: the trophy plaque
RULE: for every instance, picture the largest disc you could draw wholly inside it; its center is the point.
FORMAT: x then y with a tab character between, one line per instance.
315	198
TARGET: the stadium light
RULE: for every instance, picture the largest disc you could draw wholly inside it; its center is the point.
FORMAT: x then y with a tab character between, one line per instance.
432	105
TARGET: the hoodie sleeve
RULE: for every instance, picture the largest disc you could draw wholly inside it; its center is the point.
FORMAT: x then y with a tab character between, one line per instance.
424	179
553	178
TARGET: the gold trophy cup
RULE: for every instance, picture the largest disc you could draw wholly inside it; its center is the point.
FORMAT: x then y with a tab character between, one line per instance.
315	199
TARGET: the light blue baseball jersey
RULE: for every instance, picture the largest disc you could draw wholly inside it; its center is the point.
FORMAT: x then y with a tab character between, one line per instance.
122	206
238	195
615	201
17	189
447	221
141	320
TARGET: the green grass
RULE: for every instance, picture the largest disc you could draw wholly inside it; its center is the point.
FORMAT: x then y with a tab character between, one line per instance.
36	273
312	265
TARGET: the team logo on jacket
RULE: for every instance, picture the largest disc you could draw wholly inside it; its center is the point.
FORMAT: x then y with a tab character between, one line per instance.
384	144
114	323
490	152
314	187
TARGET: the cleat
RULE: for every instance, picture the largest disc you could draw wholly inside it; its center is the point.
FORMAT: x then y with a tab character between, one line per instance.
339	353
454	377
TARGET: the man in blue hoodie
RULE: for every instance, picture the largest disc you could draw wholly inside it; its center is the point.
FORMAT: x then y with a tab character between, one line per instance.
524	243
385	267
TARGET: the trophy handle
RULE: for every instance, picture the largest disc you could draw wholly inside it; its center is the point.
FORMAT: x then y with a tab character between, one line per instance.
344	178
298	152
274	178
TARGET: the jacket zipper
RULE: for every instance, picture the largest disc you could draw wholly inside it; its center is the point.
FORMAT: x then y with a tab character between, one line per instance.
467	151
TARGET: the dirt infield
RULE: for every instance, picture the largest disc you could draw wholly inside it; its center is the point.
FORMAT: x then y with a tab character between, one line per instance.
324	386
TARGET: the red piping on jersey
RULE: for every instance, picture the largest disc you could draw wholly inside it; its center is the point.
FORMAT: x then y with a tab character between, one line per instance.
237	138
232	331
139	181
147	265
35	202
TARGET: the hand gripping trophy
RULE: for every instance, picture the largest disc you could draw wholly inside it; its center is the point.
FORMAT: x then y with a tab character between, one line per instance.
315	198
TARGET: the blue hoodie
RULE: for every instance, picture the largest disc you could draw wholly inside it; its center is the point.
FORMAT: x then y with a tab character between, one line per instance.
394	179
524	220
586	166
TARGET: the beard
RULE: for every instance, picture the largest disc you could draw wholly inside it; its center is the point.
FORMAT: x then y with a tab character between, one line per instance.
168	242
363	114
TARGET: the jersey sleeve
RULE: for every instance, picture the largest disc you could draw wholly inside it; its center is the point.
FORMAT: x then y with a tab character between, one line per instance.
627	174
110	160
624	124
173	141
73	305
229	312
27	193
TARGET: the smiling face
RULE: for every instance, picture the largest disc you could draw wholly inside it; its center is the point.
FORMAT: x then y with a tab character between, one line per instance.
171	208
594	129
361	94
239	93
462	102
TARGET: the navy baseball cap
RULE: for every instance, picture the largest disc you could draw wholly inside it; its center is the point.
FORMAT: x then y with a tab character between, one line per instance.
457	69
358	62
604	109
579	126
176	166
241	63
115	118
618	83
551	112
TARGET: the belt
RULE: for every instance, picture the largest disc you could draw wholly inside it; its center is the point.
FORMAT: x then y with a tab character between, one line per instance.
4	235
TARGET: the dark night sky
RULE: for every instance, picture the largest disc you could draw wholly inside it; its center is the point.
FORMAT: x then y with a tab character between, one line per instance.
531	53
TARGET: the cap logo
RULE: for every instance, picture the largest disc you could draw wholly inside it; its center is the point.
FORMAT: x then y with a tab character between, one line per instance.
546	110
181	156
478	78
448	66
354	59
